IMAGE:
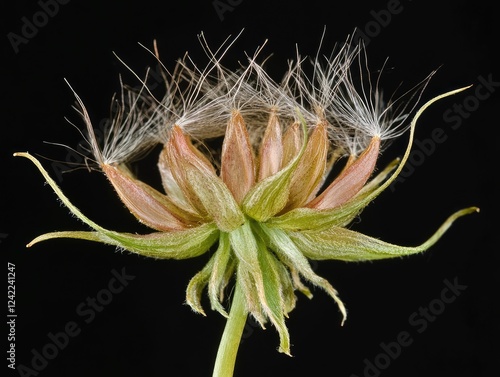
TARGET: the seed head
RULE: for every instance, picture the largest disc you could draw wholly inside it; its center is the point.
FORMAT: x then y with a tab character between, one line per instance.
261	202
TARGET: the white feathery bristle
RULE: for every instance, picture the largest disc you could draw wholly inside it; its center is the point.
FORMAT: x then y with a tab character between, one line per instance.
130	132
358	107
133	128
315	91
339	91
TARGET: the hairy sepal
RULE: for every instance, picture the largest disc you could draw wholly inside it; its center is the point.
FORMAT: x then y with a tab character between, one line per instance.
273	300
222	269
292	256
181	244
337	243
249	274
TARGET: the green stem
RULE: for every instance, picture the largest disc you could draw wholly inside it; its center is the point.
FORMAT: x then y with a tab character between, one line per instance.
230	341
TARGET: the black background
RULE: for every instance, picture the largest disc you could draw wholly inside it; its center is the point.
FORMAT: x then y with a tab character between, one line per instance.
147	330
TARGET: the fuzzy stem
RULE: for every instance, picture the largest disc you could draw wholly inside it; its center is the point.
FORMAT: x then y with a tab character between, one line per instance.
230	341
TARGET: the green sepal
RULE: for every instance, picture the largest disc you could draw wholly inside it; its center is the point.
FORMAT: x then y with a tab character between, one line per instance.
182	244
292	256
273	301
222	270
249	274
313	219
216	198
347	245
252	299
215	274
196	285
59	193
299	219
